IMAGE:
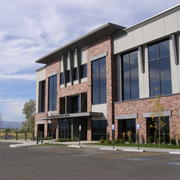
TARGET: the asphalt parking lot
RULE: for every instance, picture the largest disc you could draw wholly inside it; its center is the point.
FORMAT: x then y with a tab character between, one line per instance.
62	163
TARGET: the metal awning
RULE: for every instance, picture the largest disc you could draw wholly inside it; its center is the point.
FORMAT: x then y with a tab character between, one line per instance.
74	115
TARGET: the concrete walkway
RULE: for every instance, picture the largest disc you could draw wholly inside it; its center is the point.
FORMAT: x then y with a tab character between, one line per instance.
89	144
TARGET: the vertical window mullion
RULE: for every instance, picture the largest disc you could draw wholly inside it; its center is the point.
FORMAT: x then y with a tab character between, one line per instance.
129	78
99	80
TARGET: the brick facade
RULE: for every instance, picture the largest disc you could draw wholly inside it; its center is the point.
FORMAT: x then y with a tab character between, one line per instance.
105	47
139	107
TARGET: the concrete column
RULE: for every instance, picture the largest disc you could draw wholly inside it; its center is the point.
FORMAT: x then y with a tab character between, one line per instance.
175	68
143	70
89	129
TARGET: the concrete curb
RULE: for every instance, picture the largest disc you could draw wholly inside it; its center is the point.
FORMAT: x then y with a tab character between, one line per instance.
21	145
74	146
133	150
109	149
174	152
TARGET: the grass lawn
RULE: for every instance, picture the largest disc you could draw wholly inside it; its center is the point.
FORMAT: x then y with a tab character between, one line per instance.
49	144
141	145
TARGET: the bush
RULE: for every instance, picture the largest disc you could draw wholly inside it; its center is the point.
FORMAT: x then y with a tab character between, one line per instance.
173	141
121	141
150	139
64	140
102	141
107	141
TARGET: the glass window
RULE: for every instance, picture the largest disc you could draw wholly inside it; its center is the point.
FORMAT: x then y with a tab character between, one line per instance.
75	77
41	102
99	128
83	71
127	129
129	72
99	81
62	78
159	69
52	92
67	76
152	129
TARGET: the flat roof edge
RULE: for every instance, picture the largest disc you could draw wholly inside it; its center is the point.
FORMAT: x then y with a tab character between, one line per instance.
153	18
78	39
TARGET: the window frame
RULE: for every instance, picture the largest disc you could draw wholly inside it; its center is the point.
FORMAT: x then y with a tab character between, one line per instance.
52	104
128	70
158	60
97	81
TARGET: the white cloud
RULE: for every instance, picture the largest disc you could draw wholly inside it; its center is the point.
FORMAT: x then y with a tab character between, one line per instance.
11	109
18	76
30	29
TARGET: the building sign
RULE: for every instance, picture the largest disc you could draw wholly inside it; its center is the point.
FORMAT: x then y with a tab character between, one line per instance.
113	127
137	126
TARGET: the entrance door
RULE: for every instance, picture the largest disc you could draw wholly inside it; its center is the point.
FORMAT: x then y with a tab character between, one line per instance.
127	129
65	129
69	128
40	129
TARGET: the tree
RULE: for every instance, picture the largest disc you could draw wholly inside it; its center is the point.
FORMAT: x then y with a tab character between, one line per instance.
0	120
157	109
28	111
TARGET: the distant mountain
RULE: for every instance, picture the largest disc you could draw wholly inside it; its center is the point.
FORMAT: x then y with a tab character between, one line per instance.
10	124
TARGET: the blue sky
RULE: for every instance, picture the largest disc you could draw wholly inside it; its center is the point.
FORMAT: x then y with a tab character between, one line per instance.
30	29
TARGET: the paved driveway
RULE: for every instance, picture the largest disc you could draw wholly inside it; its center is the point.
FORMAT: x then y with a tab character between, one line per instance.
62	163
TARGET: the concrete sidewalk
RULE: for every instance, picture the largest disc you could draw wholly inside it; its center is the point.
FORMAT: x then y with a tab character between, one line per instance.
86	144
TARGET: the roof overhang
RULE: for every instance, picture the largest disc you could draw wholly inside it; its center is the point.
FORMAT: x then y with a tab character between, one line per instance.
74	115
99	33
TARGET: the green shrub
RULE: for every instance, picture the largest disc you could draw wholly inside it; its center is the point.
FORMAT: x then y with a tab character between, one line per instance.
150	139
173	141
102	141
121	141
107	141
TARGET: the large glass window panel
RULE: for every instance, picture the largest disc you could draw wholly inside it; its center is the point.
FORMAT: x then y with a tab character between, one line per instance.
52	92
83	70
41	100
99	128
99	81
154	69
67	76
62	78
164	48
133	59
95	89
160	69
102	87
153	51
102	65
75	77
129	73
154	87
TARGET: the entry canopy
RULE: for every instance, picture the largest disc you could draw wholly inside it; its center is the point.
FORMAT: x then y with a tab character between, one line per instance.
74	115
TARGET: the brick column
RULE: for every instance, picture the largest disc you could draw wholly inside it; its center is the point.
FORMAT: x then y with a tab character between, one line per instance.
142	130
57	131
35	130
116	129
46	129
89	129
